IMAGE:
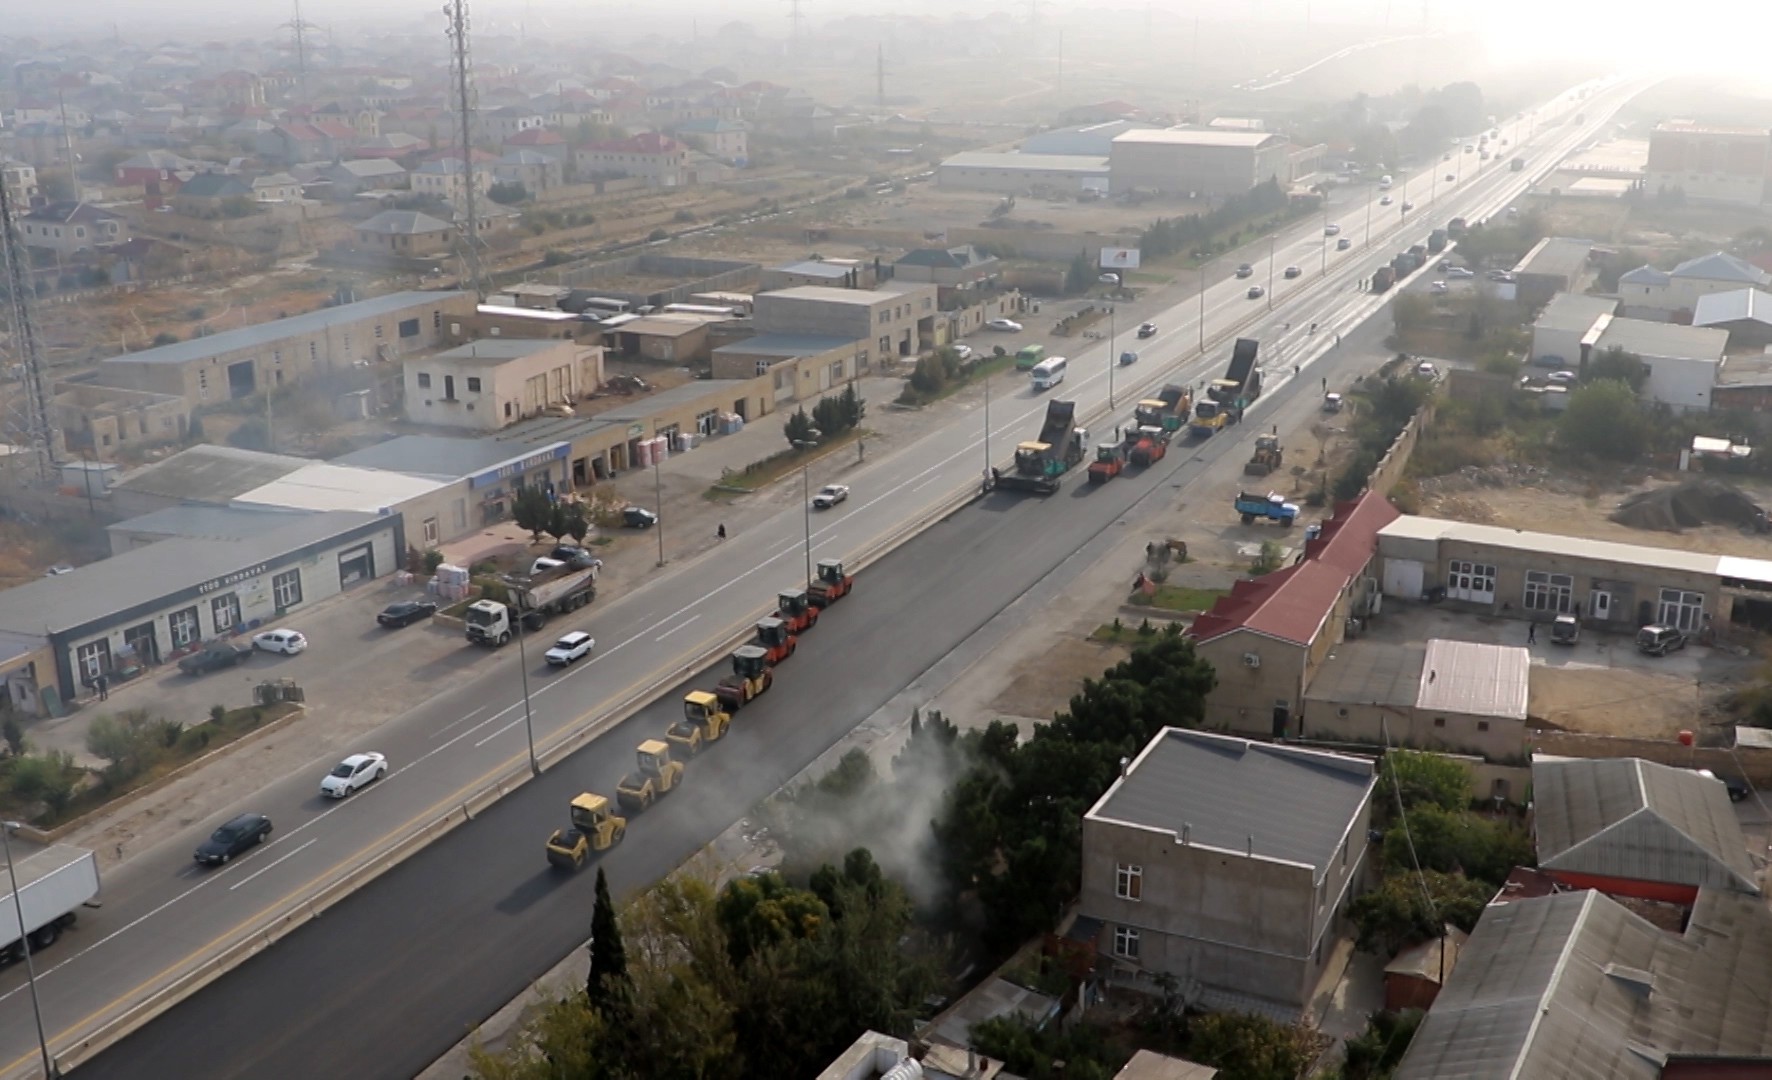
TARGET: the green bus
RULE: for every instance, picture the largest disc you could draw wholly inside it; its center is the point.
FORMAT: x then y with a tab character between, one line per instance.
1029	357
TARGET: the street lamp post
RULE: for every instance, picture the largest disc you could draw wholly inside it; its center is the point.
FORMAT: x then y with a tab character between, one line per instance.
1325	232
987	423
528	716
1202	309
1110	356
1369	201
1270	271
806	505
7	828
658	499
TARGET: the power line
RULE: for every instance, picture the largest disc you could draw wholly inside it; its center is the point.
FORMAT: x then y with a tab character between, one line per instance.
457	11
27	416
300	27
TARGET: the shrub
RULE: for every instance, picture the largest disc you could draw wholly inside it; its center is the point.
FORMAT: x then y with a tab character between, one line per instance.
657	235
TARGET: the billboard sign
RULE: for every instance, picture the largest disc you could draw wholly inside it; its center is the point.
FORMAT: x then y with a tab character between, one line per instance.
1119	258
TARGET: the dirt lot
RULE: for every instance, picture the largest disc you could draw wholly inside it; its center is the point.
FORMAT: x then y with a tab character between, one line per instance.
1041	685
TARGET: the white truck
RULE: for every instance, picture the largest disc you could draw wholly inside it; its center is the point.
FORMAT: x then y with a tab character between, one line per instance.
553	591
53	884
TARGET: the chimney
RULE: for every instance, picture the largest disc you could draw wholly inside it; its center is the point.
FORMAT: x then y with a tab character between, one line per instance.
1125	765
1251	845
1186	828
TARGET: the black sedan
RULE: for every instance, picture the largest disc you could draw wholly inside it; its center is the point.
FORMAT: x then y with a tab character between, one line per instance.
406	612
214	657
242	833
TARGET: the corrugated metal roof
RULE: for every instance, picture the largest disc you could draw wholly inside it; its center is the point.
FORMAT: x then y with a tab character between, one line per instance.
1059	163
1736	305
1576	987
786	345
1414	527
1369	673
436	457
1721	266
1475	679
313	322
1574	313
1634	819
1278	802
1562	256
341	487
209	473
1211	138
1652	339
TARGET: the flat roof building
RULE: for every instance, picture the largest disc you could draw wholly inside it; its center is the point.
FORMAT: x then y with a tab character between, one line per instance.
1013	174
493	382
1194	160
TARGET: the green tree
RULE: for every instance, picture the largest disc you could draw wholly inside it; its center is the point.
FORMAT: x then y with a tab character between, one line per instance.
532	510
1617	364
46	778
854	407
1079	275
1423	780
763	910
1355	476
1244	1046
1604	418
1398	913
508	193
578	523
1457	842
799	427
829	417
1268	560
606	988
14	734
1372	1054
1049	1052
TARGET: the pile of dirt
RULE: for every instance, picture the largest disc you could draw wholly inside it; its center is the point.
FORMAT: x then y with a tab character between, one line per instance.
1687	505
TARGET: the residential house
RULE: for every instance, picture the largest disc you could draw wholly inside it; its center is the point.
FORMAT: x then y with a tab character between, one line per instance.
1649	293
298	141
497	125
955	267
1227	865
161	167
405	232
20	178
349	178
44	144
205	194
160	130
727	140
71	228
247	133
537	172
1744	314
391	145
447	179
660	160
276	187
493	383
896	320
540	141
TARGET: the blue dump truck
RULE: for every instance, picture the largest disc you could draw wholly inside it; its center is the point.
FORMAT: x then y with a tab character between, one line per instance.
1270	506
1039	466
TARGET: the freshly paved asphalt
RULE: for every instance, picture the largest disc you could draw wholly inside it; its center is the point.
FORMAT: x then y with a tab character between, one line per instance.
392	976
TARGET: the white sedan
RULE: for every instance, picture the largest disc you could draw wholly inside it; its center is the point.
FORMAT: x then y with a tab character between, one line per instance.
574	646
287	642
830	495
1439	287
1009	326
354	772
964	352
1564	378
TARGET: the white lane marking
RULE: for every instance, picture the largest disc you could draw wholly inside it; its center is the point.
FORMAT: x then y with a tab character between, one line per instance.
463	720
676	628
499	732
924	484
273	865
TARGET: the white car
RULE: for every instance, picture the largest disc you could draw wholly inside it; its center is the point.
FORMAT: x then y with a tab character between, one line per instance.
1439	287
1008	326
964	352
830	495
574	646
1426	370
287	642
1386	201
1460	272
1563	377
543	564
354	772
1407	206
1332	230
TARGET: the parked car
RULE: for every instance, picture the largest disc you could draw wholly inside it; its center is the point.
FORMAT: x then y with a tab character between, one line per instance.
287	642
1332	230
1245	270
406	612
1256	292
1547	361
1451	179
1657	640
238	835
1128	358
1460	272
1148	329
638	517
1565	378
1292	272
1386	201
1343	244
1427	370
354	772
1408	206
1109	279
964	352
574	646
1565	630
214	657
1331	402
1439	287
830	495
543	564
1009	326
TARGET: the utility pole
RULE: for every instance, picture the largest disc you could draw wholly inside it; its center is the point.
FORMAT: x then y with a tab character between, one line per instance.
457	10
1061	63
68	148
795	17
880	77
27	414
300	27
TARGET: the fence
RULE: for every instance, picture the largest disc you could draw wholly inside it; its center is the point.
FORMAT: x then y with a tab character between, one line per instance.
1391	466
1751	763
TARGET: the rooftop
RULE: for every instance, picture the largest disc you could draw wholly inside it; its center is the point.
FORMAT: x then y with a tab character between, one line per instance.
1215	138
1642	555
1272	802
1722	266
1634	819
835	270
670	326
1644	275
314	322
953	258
1560	256
1149	1065
785	345
665	400
1737	305
367	167
207	473
1091	164
341	487
1574	313
1656	339
1474	679
497	349
436	457
404	223
1693	127
206	522
828	295
1369	673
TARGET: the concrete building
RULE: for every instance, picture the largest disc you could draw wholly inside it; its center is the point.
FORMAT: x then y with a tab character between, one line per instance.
239	363
1211	163
798	366
152	604
275	187
1269	637
1566	327
1683	361
487	385
205	193
350	178
1609	586
447	179
896	321
1673	295
405	232
541	141
1228	865
834	273
1016	174
1710	163
1554	265
658	159
69	229
536	171
727	140
670	339
1455	697
205	474
955	267
1744	314
1085	140
20	178
1413	978
98	421
1575	985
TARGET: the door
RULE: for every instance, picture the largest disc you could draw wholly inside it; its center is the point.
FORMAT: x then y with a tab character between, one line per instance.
140	640
1599	606
355	566
1403	577
1282	717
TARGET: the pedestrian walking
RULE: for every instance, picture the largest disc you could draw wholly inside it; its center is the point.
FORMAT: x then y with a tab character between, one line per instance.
104	687
1531	633
720	533
1325	384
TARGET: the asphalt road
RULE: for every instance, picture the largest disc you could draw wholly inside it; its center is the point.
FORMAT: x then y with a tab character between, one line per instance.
431	948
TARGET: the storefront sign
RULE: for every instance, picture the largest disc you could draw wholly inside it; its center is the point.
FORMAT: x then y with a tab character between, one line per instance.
232	579
512	469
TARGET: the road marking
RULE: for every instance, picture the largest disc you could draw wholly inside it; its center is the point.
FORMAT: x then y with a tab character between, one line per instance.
925	484
273	865
676	628
497	733
463	720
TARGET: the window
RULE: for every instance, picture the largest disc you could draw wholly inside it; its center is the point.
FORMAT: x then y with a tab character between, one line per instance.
837	372
1549	592
1439	721
424	380
286	589
510	409
1471	581
276	356
1482	725
313	350
473	384
1126	942
224	612
409	327
93	659
185	630
431	530
378	331
461	514
884	315
1129	882
763	369
1681	609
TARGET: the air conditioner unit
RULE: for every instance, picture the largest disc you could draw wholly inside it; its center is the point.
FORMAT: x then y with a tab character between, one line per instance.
1251	660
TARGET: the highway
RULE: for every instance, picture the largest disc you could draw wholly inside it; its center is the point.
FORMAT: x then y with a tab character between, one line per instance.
392	976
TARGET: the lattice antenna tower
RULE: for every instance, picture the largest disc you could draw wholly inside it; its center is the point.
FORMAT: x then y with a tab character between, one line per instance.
795	18
880	76
457	12
27	414
299	27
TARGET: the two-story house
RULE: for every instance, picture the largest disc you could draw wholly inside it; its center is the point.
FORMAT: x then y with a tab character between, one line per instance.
70	228
447	179
1228	865
537	172
895	321
658	159
489	384
728	140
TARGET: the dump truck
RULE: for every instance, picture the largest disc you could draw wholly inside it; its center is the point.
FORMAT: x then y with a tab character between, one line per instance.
53	885
1241	384
1168	410
594	826
775	640
1271	507
1436	241
657	776
1383	278
751	676
554	591
704	721
1152	445
1267	456
1110	460
795	607
831	585
1039	466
